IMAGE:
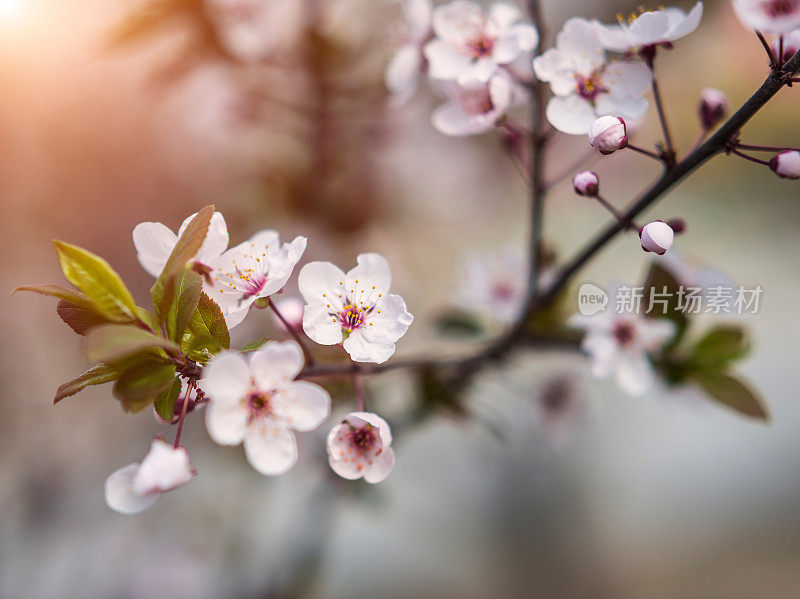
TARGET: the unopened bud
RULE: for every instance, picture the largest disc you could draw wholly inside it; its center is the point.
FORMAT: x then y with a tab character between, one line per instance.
714	107
656	237
786	164
608	134
678	225
586	183
791	44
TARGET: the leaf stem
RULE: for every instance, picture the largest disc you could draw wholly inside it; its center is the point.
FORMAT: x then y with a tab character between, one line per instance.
644	152
669	151
750	158
184	407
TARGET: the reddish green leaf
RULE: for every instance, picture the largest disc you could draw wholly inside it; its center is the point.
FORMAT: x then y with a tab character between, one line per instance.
96	375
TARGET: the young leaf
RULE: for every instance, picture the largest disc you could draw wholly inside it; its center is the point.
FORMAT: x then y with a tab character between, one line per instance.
165	402
185	250
661	292
459	323
73	297
147	318
101	284
207	328
96	375
140	384
113	342
730	391
188	287
79	318
719	348
254	345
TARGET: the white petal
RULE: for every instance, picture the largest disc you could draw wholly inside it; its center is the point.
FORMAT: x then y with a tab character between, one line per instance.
579	42
381	466
655	332
403	72
164	468
444	62
626	79
504	14
362	350
276	362
634	374
552	67
383	427
320	326
154	243
458	21
520	38
650	27
603	351
302	405
119	492
369	280
477	71
389	317
570	114
270	448
226	378
684	25
450	119
226	424
629	109
612	37
216	240
233	312
418	16
322	283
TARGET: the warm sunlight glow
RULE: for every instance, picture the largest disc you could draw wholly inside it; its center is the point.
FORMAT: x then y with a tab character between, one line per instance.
10	9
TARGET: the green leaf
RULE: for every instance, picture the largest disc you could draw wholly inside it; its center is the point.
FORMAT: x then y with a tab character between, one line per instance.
185	250
96	375
186	296
114	342
80	319
662	288
207	328
720	347
101	284
165	402
254	345
732	392
142	383
74	297
147	318
459	323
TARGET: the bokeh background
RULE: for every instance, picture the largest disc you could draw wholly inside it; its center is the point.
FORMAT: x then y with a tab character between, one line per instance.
663	496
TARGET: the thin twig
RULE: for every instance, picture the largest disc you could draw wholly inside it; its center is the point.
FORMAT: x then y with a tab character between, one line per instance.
294	333
647	153
773	63
746	157
763	148
616	213
182	419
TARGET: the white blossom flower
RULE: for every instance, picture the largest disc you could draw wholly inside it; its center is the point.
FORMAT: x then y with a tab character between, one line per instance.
402	73
291	308
476	108
791	44
650	28
619	344
786	164
714	105
608	134
584	85
470	45
154	243
494	283
136	487
355	307
768	16
656	237
586	183
254	269
360	446
559	409
259	403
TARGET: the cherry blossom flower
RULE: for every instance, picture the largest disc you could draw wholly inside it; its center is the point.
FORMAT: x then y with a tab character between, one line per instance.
656	237
791	44
470	45
559	410
360	446
154	243
355	309
476	108
584	84
768	16
650	28
586	183
619	344
494	283
608	134
291	308
786	164
259	403
252	270
714	105
136	487
402	73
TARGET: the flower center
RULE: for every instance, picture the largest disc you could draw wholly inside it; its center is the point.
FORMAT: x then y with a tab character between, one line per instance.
780	8
623	333
363	439
480	47
476	101
258	405
589	87
503	291
352	317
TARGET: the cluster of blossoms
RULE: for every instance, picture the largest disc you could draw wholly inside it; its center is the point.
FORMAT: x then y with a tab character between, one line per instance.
259	401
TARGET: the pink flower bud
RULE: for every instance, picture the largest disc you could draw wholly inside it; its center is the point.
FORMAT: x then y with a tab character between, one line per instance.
791	44
786	164
586	183
656	237
713	107
608	134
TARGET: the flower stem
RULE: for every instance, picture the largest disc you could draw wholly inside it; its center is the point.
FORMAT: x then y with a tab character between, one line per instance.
756	148
780	51
750	158
358	388
645	152
773	63
294	333
182	418
669	152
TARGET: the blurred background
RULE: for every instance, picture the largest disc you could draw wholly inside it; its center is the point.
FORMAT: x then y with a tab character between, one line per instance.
663	496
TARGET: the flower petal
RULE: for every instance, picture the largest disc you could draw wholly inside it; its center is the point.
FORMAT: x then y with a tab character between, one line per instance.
369	280
154	243
164	468
226	378
381	466
389	317
302	405
377	350
275	363
322	283
444	62
403	72
119	492
226	424
270	448
320	326
634	373
570	114
216	240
